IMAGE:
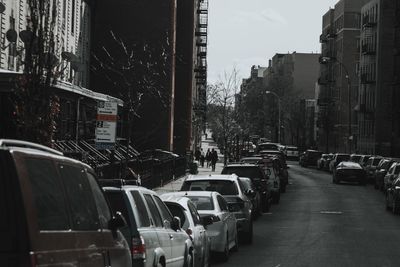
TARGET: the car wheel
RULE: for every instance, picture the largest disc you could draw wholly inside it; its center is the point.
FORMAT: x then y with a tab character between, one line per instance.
225	253
395	207
276	197
189	260
283	188
236	246
387	202
248	236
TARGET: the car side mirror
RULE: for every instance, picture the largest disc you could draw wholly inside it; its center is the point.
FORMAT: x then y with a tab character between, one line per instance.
207	220
250	193
117	221
176	224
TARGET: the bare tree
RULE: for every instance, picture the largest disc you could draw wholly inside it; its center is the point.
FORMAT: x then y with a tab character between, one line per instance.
222	115
36	106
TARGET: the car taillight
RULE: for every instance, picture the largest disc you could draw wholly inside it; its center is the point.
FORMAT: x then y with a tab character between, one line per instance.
33	259
138	248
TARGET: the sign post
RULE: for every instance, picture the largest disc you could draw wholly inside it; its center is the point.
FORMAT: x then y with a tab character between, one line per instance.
106	125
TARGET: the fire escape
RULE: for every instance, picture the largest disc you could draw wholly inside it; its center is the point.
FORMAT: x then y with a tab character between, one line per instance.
201	64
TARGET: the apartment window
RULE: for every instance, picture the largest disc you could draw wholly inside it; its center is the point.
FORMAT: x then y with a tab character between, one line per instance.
73	17
12	48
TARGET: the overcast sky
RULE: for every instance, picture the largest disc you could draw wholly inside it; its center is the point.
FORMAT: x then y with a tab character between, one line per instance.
243	33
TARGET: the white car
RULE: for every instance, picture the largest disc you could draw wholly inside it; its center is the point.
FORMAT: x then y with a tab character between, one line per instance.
183	208
222	231
292	152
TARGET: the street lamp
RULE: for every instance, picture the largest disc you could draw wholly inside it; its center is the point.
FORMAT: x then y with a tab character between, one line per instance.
279	113
324	60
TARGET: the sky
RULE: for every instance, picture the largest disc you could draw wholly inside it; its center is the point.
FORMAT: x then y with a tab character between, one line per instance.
243	33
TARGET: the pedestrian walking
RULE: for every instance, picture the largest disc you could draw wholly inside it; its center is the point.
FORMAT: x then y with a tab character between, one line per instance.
214	159
197	154
202	158
208	158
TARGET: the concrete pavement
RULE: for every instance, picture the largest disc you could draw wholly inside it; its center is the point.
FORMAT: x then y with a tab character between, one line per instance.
206	143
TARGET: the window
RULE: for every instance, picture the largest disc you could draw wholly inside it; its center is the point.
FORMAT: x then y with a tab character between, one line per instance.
73	18
48	195
143	220
222	203
155	214
83	207
224	187
195	214
117	202
165	214
177	211
202	203
102	207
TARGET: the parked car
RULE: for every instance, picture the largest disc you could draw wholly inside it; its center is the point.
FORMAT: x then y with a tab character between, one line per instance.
309	158
393	196
267	146
350	172
381	171
223	230
363	160
231	188
323	161
195	226
259	177
391	175
274	153
292	152
253	194
53	212
156	236
337	158
370	167
355	158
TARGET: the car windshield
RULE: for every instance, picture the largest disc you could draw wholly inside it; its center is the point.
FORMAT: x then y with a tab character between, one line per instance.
376	161
224	187
251	172
267	147
343	157
202	202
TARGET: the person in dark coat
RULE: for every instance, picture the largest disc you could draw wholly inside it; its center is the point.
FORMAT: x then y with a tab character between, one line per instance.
208	158
214	159
202	158
197	154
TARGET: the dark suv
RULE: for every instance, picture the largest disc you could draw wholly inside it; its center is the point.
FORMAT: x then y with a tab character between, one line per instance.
53	212
259	178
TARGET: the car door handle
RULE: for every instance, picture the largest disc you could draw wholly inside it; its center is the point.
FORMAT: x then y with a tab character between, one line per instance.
171	236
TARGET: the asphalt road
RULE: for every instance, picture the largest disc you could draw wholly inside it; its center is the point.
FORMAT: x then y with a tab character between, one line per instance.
318	223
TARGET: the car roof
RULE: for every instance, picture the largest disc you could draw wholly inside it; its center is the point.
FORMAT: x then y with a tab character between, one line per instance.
194	193
230	177
128	188
350	164
244	164
176	198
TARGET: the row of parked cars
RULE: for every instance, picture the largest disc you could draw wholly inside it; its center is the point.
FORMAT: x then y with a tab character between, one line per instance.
55	212
382	172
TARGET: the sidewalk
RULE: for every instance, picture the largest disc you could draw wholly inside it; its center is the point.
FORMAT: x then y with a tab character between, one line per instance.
208	143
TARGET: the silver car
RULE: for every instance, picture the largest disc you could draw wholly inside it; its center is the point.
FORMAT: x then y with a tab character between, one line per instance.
156	237
233	191
183	208
223	230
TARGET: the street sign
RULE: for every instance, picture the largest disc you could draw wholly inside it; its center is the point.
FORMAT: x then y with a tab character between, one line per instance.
106	124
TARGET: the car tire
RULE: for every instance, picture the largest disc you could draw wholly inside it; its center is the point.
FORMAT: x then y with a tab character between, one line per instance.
236	246
189	262
276	197
225	254
395	207
266	205
248	236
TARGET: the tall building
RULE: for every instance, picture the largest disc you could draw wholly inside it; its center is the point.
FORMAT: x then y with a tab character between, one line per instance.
292	77
134	49
379	97
191	73
338	78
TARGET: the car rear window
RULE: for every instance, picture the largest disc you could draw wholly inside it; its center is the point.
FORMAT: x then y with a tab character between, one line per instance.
376	161
177	211
143	220
118	203
343	157
48	195
224	187
202	202
251	172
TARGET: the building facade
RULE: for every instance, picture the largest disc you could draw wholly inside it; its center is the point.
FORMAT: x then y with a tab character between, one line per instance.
378	97
340	40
